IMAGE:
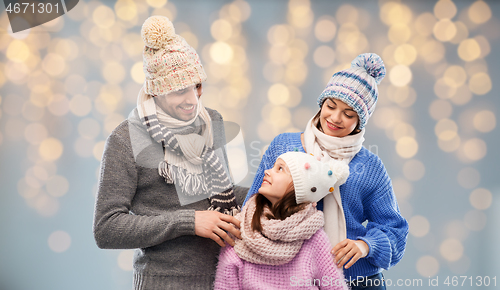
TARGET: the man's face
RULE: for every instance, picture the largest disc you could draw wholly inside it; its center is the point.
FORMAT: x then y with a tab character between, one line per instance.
182	104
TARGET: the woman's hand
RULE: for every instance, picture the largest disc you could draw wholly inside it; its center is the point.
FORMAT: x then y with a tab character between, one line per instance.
214	225
349	249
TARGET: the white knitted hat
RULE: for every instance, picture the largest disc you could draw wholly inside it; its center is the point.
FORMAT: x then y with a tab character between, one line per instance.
314	179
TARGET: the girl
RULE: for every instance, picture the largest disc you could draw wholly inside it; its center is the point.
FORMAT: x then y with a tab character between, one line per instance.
336	132
283	244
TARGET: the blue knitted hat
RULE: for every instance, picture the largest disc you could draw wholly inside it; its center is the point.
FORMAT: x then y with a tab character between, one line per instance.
357	85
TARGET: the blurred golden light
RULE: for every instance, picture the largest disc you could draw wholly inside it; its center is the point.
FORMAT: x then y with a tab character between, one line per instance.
449	145
132	44
279	116
221	30
113	72
325	29
461	34
424	24
484	121
474	149
80	105
351	40
475	220
35	133
469	49
126	257
280	34
393	13
66	48
59	241
414	170
481	198
169	11
157	3
468	177
137	73
280	54
98	150
53	64
112	121
406	147
296	72
456	230
84	147
347	14
401	130
221	52
419	226
127	10
57	186
89	128
445	9
229	97
31	112
405	54
300	14
455	76
484	45
103	16
301	116
387	117
462	96
451	249
239	10
402	188
443	90
50	149
446	129
432	51
444	30
75	84
58	105
480	83
46	205
17	51
427	266
17	72
479	12
399	33
400	75
324	56
278	94
267	131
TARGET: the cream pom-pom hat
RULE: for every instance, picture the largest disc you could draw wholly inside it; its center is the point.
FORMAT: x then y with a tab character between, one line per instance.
169	62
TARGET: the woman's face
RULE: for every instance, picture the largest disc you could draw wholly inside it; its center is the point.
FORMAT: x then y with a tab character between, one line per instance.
277	182
337	119
180	104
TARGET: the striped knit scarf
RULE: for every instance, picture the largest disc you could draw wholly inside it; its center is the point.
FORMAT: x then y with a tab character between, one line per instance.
199	171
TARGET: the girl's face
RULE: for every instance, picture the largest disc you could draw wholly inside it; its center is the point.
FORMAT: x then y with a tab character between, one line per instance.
337	119
277	182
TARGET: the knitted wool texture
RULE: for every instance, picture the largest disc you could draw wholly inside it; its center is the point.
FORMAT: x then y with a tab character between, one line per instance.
313	179
357	85
169	62
367	194
280	240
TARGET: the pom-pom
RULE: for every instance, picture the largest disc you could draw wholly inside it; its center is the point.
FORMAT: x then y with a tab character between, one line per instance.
373	65
307	165
157	31
340	170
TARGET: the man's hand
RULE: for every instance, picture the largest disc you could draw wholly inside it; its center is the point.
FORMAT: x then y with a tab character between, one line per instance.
214	225
349	249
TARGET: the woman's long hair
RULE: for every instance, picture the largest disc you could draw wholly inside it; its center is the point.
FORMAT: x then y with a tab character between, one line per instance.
284	208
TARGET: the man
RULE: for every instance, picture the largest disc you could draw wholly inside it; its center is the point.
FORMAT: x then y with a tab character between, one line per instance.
164	184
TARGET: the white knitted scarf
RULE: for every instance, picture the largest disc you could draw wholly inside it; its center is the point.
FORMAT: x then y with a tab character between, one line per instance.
327	148
280	240
189	159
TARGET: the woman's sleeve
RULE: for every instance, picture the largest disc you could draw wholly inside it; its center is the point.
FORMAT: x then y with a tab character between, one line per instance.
387	228
114	226
227	274
326	271
267	162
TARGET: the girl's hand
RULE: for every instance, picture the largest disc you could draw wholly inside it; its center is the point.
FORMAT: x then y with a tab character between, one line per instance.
349	250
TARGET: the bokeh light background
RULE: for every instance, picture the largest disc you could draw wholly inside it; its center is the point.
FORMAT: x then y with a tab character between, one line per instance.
65	85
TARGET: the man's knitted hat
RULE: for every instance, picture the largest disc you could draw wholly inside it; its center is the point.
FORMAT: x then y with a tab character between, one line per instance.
357	85
169	62
312	178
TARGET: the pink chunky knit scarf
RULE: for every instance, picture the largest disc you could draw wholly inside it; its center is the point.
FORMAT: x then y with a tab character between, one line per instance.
280	240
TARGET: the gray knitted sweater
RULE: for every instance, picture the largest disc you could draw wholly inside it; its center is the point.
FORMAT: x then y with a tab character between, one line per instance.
136	209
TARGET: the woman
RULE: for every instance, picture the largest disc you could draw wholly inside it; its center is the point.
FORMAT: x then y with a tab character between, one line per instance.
336	132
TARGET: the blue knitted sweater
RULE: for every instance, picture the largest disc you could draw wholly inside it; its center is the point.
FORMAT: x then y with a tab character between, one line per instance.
367	195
